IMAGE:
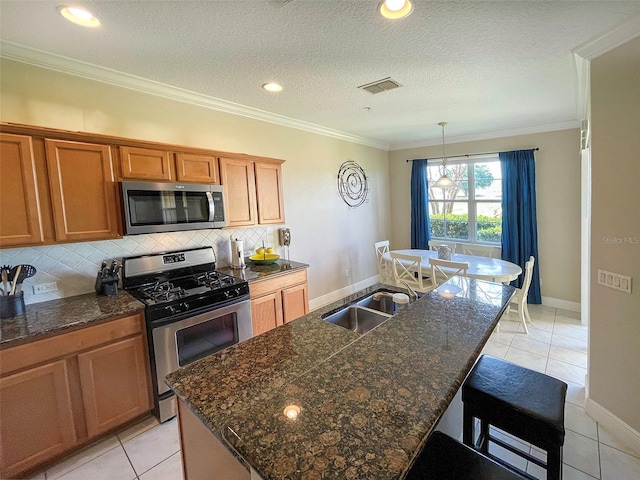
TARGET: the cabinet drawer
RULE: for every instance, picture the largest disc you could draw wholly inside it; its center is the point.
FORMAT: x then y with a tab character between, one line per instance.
33	353
258	288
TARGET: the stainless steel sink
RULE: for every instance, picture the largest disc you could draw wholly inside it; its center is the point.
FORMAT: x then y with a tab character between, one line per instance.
383	304
357	319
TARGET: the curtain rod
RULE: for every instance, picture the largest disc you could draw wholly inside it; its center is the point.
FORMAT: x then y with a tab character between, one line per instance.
468	155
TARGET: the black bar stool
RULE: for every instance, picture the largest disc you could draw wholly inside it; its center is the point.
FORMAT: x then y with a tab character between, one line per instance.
444	458
519	401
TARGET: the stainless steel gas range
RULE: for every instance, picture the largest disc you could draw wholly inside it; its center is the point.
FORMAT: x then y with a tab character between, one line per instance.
191	310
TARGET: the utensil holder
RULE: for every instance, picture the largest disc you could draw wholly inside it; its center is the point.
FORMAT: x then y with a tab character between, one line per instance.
12	305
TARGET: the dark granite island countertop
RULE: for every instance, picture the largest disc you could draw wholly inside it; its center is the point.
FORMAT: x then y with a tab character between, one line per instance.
253	271
366	403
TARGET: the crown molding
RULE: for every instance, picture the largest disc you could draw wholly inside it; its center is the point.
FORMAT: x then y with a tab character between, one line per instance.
513	132
610	39
582	56
69	66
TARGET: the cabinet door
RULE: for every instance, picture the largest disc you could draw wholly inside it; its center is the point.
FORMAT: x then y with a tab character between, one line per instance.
295	302
20	222
266	313
83	191
146	164
36	417
114	384
192	167
240	191
269	193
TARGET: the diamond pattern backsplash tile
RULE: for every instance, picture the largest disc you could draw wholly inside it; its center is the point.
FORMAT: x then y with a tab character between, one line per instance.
73	266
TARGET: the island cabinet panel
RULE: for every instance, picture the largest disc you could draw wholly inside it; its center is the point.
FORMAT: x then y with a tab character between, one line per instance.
83	191
238	179
20	221
114	384
146	164
269	192
192	167
204	457
37	419
277	300
59	393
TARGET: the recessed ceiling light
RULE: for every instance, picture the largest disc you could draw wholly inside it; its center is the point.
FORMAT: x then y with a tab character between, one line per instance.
78	15
395	9
272	87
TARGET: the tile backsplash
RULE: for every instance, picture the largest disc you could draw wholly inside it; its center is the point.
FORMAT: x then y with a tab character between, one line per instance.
73	266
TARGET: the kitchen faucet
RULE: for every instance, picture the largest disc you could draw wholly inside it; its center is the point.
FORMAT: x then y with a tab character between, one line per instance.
410	291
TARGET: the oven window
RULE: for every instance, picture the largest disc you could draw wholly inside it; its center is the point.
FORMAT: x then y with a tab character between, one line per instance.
205	338
167	207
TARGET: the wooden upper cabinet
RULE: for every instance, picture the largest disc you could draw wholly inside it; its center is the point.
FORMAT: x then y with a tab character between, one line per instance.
191	167
269	192
83	191
37	417
253	191
238	178
146	164
20	220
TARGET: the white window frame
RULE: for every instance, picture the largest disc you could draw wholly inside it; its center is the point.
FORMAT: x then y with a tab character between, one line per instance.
471	201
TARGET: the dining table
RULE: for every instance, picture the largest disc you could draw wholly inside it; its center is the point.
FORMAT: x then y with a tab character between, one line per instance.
481	268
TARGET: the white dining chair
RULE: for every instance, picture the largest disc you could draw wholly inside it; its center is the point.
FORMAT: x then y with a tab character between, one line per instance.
381	248
478	250
452	269
433	245
521	294
408	269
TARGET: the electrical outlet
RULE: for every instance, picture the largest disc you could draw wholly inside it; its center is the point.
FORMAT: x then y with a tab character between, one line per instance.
616	281
45	288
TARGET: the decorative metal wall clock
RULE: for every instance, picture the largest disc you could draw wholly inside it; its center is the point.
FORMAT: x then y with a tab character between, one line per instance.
353	185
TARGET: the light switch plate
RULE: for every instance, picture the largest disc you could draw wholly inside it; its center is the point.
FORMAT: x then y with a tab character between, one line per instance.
617	281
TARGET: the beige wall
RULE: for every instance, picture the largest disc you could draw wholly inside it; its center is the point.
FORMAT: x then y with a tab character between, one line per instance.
335	240
558	201
614	371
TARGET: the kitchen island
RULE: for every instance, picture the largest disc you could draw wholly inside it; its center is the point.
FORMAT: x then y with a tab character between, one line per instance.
314	400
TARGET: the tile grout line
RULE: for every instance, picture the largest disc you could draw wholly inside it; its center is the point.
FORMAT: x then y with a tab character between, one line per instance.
128	459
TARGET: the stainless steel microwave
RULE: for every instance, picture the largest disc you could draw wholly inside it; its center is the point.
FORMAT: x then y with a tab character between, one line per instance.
151	207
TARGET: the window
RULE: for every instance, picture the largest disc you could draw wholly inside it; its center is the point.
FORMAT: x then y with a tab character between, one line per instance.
479	198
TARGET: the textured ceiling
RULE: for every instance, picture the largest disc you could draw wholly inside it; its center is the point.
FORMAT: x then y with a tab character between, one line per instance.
481	66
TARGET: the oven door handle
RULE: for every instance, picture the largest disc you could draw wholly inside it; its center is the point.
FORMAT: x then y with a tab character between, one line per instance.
212	206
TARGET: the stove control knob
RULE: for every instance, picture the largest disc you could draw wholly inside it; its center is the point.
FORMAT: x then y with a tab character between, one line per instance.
228	294
184	306
171	309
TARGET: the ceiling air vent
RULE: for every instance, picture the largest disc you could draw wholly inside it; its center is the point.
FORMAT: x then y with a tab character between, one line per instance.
380	85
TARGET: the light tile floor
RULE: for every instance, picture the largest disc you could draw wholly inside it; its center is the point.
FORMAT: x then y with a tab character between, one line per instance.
556	345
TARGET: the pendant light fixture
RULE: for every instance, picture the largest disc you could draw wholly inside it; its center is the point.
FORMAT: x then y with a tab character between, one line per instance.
444	181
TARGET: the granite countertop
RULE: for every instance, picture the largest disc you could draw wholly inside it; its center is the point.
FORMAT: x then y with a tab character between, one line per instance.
367	402
57	316
254	272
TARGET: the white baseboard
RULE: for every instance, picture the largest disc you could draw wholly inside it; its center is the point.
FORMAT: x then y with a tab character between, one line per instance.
623	432
318	302
564	304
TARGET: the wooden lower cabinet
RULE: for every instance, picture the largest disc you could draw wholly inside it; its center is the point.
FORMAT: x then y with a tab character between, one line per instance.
37	417
278	300
266	313
114	384
60	393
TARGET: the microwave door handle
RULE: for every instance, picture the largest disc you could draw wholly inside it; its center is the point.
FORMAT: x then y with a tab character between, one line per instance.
212	206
